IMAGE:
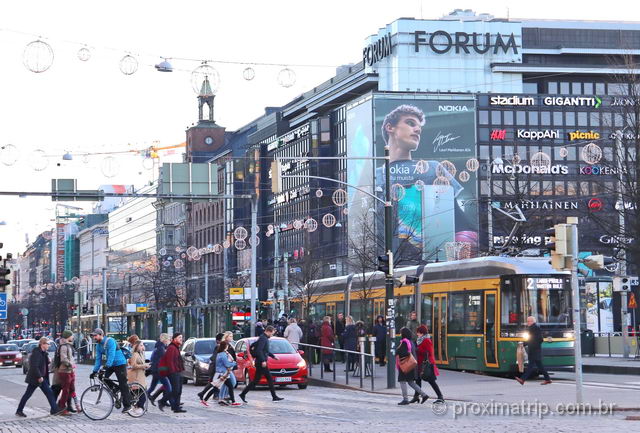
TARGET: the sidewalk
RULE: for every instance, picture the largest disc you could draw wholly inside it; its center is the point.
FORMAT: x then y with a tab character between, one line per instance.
611	365
8	407
466	387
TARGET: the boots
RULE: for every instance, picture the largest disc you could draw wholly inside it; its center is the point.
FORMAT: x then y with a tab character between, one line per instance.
327	368
152	398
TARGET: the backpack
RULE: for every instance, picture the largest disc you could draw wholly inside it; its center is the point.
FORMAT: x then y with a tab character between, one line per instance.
312	331
163	365
253	349
56	358
119	346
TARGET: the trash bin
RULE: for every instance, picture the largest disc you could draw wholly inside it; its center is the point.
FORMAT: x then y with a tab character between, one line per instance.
588	342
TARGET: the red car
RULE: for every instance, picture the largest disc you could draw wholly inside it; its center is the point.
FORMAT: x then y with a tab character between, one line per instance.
288	369
10	355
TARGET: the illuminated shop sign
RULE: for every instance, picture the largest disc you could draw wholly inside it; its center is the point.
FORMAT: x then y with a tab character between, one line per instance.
512	100
528	169
601	170
582	135
498	134
625	101
538	204
288	137
573	101
441	42
614	240
377	51
546	134
455	108
524	239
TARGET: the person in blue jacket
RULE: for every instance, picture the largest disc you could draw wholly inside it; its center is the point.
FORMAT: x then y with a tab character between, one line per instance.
115	363
224	365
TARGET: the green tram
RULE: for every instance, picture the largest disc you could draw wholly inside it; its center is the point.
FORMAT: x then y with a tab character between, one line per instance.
475	309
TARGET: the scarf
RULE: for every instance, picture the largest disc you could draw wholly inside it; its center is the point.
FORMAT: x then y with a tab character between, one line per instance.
421	339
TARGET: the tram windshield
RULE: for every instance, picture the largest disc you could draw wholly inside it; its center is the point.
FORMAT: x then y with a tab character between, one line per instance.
547	298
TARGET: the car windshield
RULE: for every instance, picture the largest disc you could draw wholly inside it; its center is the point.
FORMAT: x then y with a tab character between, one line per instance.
29	347
8	348
205	347
280	346
149	346
547	298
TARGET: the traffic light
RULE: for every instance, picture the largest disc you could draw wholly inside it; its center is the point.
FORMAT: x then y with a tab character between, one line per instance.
559	246
383	264
276	177
621	284
4	271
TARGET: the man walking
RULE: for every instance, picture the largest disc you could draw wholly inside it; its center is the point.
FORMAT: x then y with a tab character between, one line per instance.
534	345
293	333
115	363
173	361
412	324
261	354
38	377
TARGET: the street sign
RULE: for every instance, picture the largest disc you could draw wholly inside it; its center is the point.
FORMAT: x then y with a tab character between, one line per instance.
632	301
25	312
131	308
3	306
141	308
236	293
239	316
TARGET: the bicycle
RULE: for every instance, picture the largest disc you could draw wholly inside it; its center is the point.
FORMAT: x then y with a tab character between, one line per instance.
103	394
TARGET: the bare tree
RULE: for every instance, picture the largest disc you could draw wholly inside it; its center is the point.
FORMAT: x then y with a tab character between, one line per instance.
163	287
304	285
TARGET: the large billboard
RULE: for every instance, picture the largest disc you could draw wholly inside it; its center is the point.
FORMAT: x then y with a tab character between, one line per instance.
433	165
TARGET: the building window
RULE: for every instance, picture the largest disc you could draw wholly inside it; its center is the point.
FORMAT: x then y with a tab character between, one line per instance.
507	117
582	118
483	117
545	118
533	118
553	87
564	88
570	118
588	88
529	87
557	118
600	89
495	118
521	118
576	88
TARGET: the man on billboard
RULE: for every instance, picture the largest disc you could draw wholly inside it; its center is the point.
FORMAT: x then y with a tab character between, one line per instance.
428	214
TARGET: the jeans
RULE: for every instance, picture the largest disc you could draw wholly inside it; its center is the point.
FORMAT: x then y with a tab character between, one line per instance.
68	388
531	367
166	387
44	386
121	375
224	389
176	390
261	371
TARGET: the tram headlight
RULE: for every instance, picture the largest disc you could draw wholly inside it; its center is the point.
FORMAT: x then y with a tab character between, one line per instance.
569	334
523	335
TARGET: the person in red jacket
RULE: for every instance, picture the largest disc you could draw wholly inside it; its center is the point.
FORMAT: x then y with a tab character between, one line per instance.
425	351
327	339
175	367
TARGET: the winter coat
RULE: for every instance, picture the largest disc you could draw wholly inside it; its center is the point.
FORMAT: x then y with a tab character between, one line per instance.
38	366
293	334
339	329
67	362
136	370
350	337
425	350
159	350
114	355
534	343
174	359
413	325
224	361
405	349
327	338
262	350
380	332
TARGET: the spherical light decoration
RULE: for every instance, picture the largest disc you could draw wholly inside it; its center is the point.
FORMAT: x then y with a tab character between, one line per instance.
319	193
339	197
256	229
110	167
446	169
75	280
38	160
147	163
84	54
179	249
270	228
240	244
464	176
254	240
9	154
162	251
419	184
166	263
217	248
85	159
249	73
328	220
240	233
422	166
191	250
472	164
540	160
128	65
516	159
286	77
178	264
202	72
397	192
564	152
345	211
591	153
441	183
312	225
297	224
226	243
37	56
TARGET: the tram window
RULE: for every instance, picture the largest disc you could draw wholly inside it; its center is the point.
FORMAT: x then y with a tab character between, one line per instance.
465	313
427	309
510	311
456	313
473	314
405	306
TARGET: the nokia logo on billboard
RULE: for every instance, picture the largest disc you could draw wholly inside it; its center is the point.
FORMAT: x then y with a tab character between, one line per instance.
441	42
528	169
512	100
453	108
529	134
580	135
573	101
377	51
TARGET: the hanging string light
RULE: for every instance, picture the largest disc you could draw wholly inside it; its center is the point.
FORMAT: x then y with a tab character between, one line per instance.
286	77
38	160
202	73
9	154
38	56
128	65
249	73
84	54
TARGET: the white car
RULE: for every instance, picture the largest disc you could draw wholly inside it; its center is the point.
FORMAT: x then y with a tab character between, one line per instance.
149	346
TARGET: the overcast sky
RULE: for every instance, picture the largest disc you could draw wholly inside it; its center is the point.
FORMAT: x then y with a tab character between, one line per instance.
91	106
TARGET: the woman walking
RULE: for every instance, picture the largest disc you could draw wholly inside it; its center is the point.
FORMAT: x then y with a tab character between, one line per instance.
165	388
137	368
350	335
425	352
327	339
222	391
407	367
380	332
225	363
38	377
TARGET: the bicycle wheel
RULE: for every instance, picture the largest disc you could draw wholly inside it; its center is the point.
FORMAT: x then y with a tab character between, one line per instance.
97	402
139	400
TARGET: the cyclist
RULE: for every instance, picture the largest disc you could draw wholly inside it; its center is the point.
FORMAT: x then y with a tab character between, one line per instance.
115	363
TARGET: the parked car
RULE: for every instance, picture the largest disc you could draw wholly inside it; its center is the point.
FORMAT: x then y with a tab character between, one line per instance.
10	355
25	359
288	369
21	343
195	356
149	345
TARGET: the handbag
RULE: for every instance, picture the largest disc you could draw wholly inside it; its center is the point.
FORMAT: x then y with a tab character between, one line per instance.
219	379
408	363
427	371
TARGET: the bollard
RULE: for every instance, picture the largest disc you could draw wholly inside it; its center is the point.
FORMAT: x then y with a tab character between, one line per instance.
334	365
372	342
362	341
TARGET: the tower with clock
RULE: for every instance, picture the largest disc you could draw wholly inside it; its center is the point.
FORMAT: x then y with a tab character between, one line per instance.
205	137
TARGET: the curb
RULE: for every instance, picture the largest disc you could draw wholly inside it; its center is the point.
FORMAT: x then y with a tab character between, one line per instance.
610	369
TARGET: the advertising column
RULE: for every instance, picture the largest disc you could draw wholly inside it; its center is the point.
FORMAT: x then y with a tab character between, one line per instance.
432	147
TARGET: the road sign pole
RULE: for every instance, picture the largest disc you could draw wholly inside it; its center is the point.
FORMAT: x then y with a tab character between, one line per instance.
575	292
254	259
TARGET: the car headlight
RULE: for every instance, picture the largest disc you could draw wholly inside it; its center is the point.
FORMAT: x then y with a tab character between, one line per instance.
203	364
302	364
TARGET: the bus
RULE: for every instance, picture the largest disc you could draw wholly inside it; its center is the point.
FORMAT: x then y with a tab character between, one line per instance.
475	309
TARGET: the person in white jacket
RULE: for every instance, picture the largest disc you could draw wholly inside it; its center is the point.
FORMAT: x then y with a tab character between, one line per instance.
293	333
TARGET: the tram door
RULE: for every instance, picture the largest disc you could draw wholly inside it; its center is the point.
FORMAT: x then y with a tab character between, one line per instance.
440	328
378	308
490	323
331	311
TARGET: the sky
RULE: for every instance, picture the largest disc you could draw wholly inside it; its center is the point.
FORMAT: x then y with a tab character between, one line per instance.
91	107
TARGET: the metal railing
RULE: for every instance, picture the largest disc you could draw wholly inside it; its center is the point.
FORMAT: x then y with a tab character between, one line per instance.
616	337
365	361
